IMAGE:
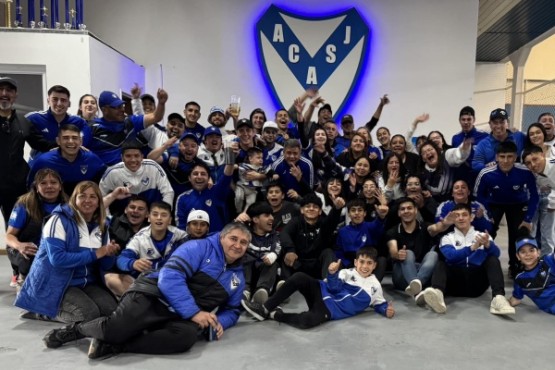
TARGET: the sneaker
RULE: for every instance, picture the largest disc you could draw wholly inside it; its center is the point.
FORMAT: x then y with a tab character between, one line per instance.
13	281
260	296
256	309
55	338
279	284
99	348
419	299
434	298
273	313
501	306
246	295
278	287
414	287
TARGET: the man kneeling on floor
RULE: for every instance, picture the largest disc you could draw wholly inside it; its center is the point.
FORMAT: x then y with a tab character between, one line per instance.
197	292
471	265
345	293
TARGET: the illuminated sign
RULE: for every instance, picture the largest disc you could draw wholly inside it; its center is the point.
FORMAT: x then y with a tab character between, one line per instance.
298	52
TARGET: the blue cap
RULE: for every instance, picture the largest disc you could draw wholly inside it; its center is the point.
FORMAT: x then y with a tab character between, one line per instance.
526	241
189	135
212	131
108	98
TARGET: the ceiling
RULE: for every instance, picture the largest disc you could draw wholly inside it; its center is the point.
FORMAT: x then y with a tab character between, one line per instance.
504	26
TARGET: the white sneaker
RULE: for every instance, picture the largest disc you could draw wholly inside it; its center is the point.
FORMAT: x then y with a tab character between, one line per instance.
260	296
501	306
419	299
434	298
414	287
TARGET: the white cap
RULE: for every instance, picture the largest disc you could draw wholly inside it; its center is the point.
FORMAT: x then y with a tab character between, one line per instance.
269	124
199	215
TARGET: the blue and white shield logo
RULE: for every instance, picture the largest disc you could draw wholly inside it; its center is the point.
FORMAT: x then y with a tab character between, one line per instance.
298	52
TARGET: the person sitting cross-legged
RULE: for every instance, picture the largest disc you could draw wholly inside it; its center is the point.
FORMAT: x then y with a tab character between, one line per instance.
471	265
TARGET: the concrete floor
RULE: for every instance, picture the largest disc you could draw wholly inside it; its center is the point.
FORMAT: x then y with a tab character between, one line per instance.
466	337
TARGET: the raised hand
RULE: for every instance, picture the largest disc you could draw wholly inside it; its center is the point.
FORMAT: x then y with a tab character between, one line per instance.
162	96
334	266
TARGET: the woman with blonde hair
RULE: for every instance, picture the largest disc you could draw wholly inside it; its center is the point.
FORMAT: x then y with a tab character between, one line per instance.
65	282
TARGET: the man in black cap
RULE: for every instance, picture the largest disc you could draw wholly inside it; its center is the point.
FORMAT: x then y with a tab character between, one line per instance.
14	130
484	155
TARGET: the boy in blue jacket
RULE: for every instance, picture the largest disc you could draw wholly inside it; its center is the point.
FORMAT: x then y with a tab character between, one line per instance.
345	293
471	265
537	281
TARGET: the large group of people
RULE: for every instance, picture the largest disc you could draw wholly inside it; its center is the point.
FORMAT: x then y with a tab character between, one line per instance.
146	237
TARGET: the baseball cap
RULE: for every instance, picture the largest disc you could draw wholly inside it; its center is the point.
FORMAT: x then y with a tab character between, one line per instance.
189	135
198	215
215	109
244	122
526	241
467	111
9	81
108	98
498	113
270	124
176	116
212	131
325	106
347	119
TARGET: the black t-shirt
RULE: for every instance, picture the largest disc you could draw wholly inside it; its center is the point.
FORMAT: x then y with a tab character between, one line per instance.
419	241
285	214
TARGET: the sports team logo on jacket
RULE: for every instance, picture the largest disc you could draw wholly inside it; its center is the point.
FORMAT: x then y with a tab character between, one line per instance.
299	52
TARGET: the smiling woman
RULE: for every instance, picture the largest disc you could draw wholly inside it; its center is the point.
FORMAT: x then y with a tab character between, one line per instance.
63	282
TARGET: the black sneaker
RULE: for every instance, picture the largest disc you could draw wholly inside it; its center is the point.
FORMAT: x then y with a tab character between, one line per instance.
99	348
278	310
256	309
34	316
57	337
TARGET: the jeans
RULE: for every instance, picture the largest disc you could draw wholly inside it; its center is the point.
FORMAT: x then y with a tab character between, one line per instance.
85	304
545	233
406	271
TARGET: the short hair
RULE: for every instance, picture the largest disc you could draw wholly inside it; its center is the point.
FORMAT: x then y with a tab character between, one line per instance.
192	103
274	184
137	198
356	203
311	198
253	151
258	110
199	164
259	208
162	205
462	206
531	150
236	226
406	200
367	251
291	144
59	89
131	144
506	147
68	127
281	109
545	114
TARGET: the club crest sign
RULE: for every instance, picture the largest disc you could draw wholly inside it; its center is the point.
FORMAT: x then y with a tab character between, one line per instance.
298	52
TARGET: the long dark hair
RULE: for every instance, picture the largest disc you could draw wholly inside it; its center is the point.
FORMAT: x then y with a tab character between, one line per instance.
32	200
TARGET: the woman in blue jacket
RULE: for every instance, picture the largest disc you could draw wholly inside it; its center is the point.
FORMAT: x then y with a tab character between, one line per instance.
64	283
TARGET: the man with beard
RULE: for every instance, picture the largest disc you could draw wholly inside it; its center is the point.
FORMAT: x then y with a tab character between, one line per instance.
114	129
14	130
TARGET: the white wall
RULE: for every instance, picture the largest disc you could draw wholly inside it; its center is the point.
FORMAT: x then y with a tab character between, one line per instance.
422	53
489	91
